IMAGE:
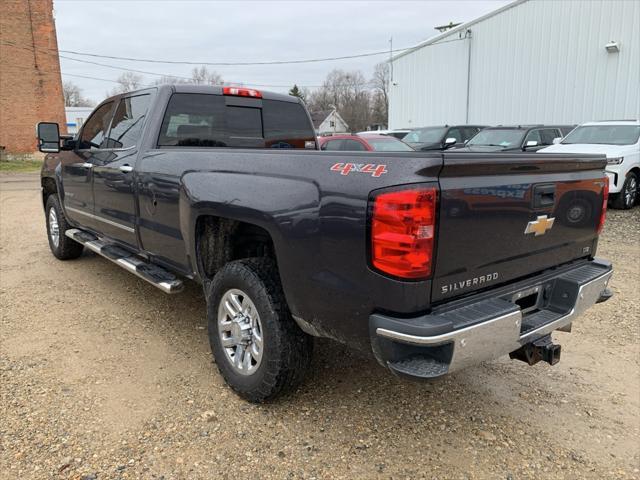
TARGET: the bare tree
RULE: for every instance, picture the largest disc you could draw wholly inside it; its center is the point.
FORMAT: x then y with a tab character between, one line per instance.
202	76
348	92
379	109
127	82
73	96
380	83
319	100
167	79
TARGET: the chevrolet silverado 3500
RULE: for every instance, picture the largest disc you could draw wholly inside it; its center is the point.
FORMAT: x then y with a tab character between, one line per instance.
431	261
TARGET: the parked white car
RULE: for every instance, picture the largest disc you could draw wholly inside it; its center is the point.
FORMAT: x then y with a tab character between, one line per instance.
620	141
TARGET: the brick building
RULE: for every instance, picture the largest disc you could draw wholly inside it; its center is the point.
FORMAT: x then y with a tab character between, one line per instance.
30	81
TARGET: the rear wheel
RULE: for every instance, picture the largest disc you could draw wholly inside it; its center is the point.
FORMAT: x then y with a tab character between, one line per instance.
62	247
628	195
259	349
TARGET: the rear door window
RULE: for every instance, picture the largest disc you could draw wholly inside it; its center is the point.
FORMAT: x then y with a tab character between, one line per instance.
206	120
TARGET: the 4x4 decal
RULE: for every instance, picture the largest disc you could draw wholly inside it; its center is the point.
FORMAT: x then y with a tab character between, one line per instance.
371	168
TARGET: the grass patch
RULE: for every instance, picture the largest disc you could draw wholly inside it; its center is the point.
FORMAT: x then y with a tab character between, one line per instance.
20	166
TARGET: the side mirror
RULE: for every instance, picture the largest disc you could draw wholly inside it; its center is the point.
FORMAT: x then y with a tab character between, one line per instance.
530	143
48	137
450	142
557	140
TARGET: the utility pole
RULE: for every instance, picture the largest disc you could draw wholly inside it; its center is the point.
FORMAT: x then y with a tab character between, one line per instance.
390	62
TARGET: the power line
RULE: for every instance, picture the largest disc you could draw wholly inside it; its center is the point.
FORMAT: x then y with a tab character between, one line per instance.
145	72
44	72
125	68
237	64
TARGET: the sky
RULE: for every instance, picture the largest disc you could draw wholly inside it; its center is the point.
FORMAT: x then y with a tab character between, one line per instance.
243	31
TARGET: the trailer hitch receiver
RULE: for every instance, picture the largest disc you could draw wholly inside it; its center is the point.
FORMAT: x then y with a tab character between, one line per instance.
542	349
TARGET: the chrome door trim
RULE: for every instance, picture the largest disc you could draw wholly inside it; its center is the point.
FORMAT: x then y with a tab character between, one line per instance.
102	219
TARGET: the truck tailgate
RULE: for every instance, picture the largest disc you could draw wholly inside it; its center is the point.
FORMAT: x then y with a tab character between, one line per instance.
506	216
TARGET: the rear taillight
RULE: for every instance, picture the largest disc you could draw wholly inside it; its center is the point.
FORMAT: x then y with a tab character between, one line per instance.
605	198
402	232
242	92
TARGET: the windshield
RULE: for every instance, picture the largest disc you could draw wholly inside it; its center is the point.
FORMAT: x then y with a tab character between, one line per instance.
506	138
425	135
388	145
604	134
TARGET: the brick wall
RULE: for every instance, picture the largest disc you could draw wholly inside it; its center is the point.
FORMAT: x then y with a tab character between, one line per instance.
30	82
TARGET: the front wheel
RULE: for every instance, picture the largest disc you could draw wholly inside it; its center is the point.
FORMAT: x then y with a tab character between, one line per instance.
628	195
62	247
259	349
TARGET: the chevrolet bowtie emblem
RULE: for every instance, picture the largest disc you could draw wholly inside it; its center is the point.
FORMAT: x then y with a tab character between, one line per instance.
539	226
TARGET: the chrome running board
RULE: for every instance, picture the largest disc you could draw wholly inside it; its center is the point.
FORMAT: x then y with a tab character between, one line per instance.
155	275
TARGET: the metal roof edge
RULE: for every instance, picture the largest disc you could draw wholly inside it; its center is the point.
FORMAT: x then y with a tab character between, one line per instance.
459	28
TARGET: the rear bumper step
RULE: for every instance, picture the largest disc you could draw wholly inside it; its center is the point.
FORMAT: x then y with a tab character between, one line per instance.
433	345
155	275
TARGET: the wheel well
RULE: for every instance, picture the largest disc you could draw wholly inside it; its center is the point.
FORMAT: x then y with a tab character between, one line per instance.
48	187
221	240
636	170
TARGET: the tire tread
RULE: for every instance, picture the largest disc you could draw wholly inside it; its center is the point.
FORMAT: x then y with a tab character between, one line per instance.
293	347
67	248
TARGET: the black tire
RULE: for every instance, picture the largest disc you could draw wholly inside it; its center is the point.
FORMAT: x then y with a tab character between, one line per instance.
628	196
286	350
66	249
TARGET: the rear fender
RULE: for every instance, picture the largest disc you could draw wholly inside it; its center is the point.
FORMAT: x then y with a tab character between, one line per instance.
291	219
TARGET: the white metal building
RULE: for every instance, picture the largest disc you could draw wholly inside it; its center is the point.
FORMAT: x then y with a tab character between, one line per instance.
76	117
532	61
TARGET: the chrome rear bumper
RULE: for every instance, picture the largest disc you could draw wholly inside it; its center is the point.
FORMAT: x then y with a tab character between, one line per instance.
502	328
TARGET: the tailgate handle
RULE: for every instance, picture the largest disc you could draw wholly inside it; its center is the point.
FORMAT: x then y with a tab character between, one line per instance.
544	195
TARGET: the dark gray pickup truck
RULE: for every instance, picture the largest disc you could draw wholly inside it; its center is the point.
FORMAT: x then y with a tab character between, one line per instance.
431	261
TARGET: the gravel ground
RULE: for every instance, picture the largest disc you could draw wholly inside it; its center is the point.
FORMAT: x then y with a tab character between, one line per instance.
103	376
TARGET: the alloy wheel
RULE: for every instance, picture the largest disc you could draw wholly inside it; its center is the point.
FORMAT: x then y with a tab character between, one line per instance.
630	192
54	229
240	331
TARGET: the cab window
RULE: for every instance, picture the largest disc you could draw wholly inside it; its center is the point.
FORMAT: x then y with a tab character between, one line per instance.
94	132
128	121
207	120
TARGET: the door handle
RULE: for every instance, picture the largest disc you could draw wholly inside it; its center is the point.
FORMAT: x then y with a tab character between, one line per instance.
87	165
126	168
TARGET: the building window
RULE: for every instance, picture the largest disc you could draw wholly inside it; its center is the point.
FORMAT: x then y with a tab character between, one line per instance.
332	123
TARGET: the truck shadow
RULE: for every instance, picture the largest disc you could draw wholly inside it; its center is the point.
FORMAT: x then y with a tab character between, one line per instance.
345	380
